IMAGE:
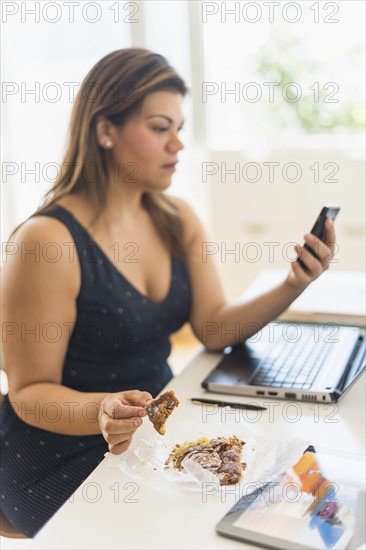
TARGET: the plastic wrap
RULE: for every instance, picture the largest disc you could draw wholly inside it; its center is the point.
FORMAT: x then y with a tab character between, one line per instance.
145	460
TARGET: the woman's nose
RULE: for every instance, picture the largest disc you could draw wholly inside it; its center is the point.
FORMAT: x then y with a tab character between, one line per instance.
175	145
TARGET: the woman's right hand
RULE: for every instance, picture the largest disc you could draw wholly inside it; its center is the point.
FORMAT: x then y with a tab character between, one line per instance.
120	415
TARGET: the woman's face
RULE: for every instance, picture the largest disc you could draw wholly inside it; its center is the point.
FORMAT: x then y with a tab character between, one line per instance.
146	147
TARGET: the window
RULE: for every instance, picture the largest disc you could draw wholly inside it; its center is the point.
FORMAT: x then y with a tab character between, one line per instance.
46	53
282	69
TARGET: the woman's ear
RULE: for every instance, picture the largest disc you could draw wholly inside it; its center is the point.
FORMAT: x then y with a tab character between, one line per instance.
103	129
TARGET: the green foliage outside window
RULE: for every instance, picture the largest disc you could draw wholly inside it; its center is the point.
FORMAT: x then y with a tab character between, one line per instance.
320	107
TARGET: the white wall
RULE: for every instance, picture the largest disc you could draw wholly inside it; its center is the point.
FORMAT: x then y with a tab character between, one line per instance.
282	211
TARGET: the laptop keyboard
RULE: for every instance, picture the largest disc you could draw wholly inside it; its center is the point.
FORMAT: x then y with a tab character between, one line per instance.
294	364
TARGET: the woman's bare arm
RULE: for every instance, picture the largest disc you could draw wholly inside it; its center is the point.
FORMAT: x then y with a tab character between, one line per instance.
215	322
38	315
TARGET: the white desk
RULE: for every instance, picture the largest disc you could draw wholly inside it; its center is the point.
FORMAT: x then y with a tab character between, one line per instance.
156	521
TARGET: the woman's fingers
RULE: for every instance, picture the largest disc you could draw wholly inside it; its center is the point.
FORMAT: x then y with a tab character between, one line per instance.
329	233
117	405
118	432
115	434
301	277
118	409
120	416
322	251
313	265
120	447
115	426
136	397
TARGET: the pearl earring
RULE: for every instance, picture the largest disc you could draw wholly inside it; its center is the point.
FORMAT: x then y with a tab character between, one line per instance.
108	144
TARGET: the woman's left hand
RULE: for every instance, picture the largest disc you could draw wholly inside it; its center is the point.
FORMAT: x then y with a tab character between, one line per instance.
298	278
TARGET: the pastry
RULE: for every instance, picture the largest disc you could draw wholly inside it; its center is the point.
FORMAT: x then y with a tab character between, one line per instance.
221	456
160	408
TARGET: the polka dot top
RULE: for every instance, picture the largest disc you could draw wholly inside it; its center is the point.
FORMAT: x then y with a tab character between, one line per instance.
120	341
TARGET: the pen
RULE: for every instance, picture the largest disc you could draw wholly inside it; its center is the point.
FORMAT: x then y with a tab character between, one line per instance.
202	401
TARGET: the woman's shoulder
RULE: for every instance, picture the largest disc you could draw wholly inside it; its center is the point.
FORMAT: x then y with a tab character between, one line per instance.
185	210
193	227
46	225
39	255
41	228
41	241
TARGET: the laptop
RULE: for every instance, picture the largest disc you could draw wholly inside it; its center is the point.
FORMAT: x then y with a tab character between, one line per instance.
299	361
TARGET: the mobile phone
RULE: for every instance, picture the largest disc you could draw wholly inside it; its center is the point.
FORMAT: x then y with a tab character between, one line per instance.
328	211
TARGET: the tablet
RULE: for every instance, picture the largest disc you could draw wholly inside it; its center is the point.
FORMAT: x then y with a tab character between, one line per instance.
312	506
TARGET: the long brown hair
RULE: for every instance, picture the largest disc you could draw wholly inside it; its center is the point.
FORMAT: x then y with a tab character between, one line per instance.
115	87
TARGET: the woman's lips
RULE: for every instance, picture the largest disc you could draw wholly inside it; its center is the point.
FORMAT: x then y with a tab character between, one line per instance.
170	167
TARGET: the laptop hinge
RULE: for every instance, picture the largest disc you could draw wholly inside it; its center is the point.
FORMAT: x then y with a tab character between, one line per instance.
352	365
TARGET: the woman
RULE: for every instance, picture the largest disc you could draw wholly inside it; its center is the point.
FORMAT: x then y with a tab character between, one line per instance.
116	269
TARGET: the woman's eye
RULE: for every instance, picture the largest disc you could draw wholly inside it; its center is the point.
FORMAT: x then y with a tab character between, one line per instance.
160	129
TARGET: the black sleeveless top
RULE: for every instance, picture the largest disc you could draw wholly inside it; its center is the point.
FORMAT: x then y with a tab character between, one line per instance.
120	341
